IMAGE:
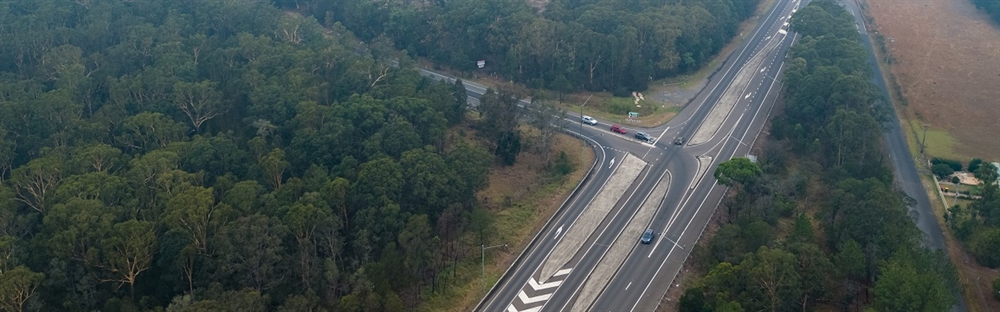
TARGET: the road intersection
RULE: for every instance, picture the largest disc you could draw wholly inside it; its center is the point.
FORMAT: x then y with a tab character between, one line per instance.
588	256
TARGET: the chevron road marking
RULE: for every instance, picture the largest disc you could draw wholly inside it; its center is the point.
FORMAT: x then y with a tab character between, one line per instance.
512	309
562	272
535	286
529	300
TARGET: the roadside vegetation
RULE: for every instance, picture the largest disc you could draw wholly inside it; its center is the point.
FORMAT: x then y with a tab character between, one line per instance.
595	45
817	222
228	156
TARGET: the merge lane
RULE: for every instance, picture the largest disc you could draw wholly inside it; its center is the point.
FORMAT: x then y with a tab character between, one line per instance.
511	283
637	268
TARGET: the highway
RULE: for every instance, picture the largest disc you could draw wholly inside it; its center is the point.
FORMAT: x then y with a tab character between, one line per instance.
588	257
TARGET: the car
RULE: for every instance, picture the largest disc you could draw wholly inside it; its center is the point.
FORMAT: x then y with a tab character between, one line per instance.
589	120
642	136
647	236
679	141
619	129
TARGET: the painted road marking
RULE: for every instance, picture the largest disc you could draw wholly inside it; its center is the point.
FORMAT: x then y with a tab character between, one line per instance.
543	290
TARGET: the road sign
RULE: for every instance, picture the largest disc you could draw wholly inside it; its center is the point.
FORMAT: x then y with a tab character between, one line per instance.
633	114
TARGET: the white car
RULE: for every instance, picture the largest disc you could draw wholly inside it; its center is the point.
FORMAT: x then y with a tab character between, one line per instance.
589	120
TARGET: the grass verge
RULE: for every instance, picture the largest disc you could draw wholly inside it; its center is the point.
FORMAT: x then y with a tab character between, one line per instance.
615	109
520	198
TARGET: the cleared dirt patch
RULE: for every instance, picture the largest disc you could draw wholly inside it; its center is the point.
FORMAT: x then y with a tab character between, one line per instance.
946	58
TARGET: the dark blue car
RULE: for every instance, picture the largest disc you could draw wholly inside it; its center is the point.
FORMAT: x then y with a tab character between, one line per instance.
647	236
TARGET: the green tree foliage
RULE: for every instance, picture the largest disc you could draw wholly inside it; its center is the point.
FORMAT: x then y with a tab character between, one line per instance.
953	164
596	45
456	111
974	165
17	286
775	272
737	171
229	156
872	253
942	171
910	282
984	245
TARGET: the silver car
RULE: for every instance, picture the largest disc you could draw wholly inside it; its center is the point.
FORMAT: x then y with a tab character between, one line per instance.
589	120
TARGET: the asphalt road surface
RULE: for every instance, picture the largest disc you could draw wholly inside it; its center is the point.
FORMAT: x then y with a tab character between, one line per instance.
578	274
903	163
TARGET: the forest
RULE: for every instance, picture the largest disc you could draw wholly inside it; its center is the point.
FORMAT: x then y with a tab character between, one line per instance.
597	45
228	156
817	222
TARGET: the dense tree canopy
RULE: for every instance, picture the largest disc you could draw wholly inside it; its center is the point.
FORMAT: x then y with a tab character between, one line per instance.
830	126
221	155
609	45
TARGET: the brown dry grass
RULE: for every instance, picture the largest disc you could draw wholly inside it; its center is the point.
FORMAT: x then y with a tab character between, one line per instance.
946	59
521	199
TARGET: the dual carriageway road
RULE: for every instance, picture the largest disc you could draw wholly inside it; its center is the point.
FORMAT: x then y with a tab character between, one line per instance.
588	256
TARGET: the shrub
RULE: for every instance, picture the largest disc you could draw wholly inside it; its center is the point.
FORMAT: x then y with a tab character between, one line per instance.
953	164
942	170
562	165
974	164
985	245
955	180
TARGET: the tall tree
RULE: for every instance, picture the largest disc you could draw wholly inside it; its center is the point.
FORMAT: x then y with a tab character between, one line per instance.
129	251
456	111
904	286
17	286
36	181
774	272
249	250
199	101
547	118
274	166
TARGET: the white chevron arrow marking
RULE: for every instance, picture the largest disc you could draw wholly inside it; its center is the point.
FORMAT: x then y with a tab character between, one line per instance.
562	272
536	286
511	308
529	300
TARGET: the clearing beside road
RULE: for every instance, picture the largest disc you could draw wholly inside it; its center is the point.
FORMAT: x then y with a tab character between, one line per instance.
945	56
944	60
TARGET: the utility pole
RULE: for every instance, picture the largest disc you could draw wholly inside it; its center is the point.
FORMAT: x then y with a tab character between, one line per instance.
483	250
924	141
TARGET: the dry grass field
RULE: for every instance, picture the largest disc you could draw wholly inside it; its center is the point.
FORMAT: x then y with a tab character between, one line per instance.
946	59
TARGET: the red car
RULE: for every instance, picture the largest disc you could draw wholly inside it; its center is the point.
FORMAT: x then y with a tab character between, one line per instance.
618	128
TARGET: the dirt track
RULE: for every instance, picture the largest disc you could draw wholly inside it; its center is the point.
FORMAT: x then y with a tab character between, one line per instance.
946	57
